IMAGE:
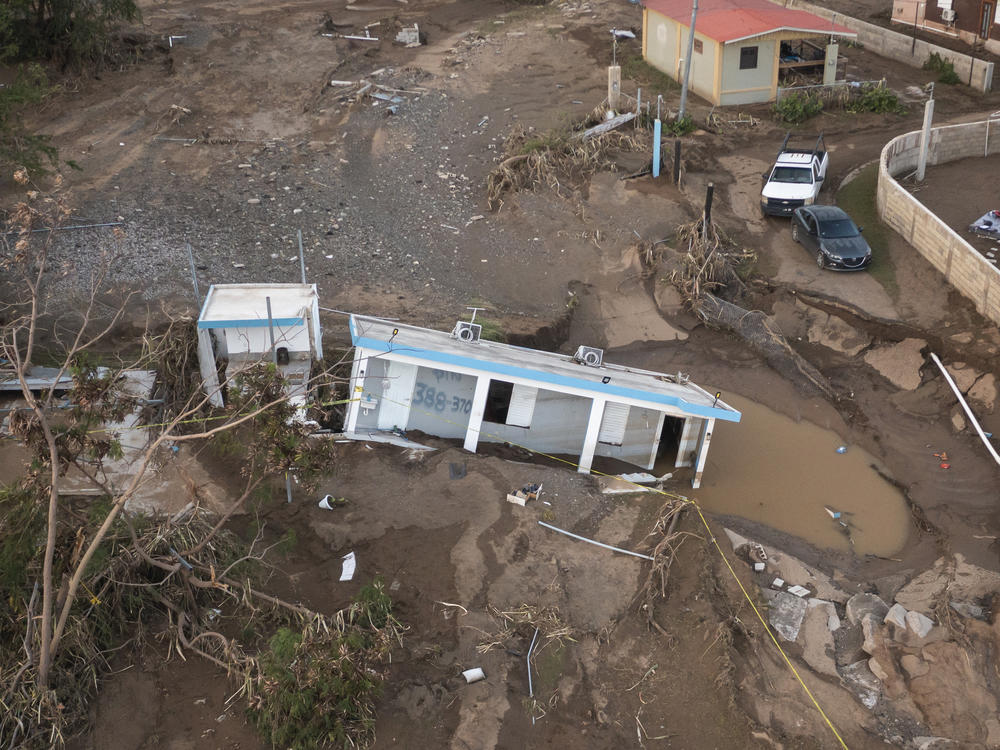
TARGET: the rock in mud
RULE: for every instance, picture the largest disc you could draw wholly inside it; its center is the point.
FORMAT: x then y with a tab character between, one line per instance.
920	625
899	363
860	680
963	375
871	629
863	604
786	614
816	636
957	419
834	333
913	665
896	616
984	393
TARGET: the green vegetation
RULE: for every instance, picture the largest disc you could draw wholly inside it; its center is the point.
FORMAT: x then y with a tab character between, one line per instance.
492	331
680	127
317	688
75	33
943	67
635	69
797	107
858	199
878	99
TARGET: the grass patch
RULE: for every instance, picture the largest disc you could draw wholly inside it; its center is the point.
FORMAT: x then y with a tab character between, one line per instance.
492	331
858	199
635	69
943	67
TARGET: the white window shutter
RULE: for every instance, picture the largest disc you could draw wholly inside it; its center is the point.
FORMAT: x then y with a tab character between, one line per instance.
522	405
613	424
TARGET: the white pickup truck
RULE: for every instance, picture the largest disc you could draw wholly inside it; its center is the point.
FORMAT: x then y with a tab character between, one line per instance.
795	179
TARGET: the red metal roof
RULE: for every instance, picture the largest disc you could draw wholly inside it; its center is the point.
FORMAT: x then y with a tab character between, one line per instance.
733	20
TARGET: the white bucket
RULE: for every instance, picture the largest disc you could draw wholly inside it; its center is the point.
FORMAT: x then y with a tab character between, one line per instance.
325	502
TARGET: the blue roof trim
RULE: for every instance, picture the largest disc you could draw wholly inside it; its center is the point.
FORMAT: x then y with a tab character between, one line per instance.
609	389
250	323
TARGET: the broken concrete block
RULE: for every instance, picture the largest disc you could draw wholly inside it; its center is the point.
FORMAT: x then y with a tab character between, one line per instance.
913	665
896	616
919	624
930	743
871	630
957	419
816	637
858	677
786	614
968	609
899	363
877	669
863	604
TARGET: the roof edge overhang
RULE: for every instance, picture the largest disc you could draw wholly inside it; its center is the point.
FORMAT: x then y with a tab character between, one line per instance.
780	29
552	379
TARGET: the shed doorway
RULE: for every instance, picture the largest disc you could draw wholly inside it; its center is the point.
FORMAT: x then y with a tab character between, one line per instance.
670	437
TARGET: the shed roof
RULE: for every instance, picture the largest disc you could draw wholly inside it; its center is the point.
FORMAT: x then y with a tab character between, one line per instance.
548	369
735	20
245	305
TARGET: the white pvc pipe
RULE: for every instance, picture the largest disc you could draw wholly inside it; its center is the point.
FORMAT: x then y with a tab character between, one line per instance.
591	541
968	411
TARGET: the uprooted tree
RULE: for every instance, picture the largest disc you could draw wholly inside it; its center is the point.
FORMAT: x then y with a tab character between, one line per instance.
83	574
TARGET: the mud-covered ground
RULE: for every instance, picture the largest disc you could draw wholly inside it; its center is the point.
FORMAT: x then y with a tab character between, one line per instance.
394	221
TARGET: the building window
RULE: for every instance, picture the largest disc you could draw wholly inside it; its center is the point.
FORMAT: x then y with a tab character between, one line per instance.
498	401
698	46
748	58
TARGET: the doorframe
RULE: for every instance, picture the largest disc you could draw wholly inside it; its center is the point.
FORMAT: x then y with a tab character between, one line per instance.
986	20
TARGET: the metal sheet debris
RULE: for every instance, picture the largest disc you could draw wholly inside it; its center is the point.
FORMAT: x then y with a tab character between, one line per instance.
347	572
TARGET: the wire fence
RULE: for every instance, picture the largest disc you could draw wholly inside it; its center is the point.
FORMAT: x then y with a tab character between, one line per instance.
830	90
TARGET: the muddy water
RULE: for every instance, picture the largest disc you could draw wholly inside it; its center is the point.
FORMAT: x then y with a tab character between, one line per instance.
771	469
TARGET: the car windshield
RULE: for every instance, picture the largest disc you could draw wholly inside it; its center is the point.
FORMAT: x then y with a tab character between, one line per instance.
792	174
837	229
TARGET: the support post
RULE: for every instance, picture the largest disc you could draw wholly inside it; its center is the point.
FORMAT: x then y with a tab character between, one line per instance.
709	193
477	413
703	442
288	486
925	139
677	161
194	275
656	147
687	64
357	388
302	258
830	66
590	439
270	331
614	87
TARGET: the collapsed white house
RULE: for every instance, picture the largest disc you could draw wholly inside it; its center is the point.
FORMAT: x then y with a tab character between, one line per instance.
454	385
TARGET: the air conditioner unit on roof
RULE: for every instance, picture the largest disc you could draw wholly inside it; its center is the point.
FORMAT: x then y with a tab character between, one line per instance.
588	355
467	331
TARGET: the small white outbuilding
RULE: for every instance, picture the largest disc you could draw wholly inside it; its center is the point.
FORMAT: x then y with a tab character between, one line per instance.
236	327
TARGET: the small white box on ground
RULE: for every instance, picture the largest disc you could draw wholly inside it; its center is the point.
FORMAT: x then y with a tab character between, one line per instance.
759	567
778	583
474	675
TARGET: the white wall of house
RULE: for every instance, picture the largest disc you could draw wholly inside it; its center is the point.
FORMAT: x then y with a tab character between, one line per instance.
642	435
749	85
661	43
256	340
441	402
558	425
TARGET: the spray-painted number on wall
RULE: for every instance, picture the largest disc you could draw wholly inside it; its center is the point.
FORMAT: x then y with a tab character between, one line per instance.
438	400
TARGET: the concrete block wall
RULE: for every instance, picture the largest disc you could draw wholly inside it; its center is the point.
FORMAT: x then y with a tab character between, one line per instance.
976	73
964	267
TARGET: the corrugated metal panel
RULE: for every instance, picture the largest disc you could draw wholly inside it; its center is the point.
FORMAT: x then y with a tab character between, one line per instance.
522	405
613	424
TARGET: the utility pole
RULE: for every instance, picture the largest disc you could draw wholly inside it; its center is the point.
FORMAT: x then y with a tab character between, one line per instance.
687	62
925	136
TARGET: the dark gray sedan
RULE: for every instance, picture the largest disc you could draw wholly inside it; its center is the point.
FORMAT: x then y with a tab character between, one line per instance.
833	239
